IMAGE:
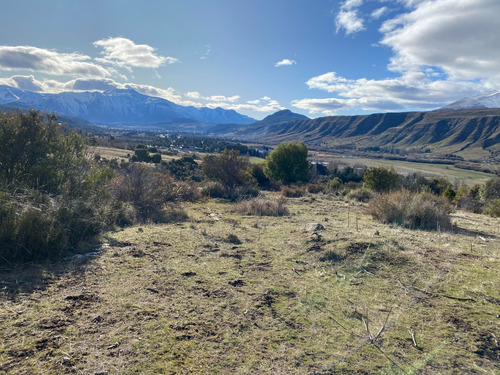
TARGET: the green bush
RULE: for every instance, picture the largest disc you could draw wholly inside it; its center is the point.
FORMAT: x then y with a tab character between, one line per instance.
492	189
288	164
380	179
335	185
492	208
53	199
417	211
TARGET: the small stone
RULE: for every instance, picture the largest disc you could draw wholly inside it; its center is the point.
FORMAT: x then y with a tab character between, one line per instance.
313	227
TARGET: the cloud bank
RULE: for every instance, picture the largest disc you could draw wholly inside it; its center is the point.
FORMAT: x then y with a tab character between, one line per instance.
443	50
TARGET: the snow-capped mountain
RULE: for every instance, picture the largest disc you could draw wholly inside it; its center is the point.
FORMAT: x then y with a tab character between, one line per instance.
117	107
488	100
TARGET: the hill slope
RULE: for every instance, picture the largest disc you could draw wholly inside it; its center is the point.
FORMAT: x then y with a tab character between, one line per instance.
178	299
458	131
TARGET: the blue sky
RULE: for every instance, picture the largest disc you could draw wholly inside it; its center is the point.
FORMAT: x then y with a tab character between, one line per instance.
316	57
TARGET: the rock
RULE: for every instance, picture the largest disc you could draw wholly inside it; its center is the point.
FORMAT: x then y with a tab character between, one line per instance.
313	227
315	237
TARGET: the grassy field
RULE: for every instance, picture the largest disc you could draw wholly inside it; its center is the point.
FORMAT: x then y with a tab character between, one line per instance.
454	175
358	297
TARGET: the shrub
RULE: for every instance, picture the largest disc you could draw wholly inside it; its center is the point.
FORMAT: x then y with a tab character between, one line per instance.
229	170
416	211
360	195
263	207
256	171
232	238
492	208
438	185
468	199
150	191
293	191
335	185
213	189
492	189
288	163
348	174
53	200
315	188
449	194
380	179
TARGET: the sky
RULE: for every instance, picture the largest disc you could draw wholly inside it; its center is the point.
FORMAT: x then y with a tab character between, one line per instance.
314	57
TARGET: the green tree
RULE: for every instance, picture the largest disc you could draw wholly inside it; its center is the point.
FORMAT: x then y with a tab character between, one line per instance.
380	179
288	163
492	189
141	153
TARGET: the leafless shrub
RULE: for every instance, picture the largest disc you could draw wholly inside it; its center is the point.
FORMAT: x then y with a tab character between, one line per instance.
417	211
293	191
263	207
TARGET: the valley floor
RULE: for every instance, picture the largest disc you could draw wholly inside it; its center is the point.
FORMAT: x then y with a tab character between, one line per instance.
358	297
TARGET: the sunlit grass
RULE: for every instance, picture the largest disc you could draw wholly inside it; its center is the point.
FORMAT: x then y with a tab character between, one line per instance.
181	299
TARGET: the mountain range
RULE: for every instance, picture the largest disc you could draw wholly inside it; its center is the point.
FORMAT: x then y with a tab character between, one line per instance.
119	107
468	128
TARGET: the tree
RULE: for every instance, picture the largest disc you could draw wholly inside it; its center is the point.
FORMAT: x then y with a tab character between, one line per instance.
288	163
492	189
380	179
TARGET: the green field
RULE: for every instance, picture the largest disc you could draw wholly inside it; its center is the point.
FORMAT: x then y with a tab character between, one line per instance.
455	175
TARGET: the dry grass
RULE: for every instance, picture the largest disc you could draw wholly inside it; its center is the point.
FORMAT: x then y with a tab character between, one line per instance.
263	207
179	299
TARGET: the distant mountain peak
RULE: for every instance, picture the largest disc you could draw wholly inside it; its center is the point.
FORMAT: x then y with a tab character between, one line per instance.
282	116
488	100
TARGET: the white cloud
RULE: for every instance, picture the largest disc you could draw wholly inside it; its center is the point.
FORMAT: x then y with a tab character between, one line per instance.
348	17
207	52
265	104
377	13
125	53
47	61
285	62
444	50
416	90
459	37
222	98
193	95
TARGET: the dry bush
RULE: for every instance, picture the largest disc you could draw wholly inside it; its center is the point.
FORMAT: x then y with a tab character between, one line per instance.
213	189
360	195
149	192
293	191
315	188
263	207
416	211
